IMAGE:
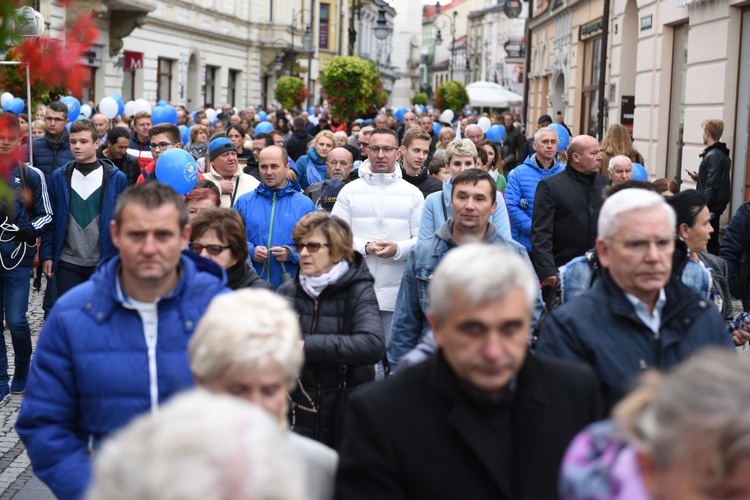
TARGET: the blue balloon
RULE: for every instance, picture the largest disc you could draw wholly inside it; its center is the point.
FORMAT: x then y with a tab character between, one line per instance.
263	128
14	106
262	116
184	134
214	120
563	137
67	126
496	133
80	117
170	114
120	104
639	172
74	106
162	102
436	127
177	168
399	114
420	108
157	115
310	110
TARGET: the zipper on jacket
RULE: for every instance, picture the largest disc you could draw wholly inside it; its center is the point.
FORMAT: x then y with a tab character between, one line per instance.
318	390
270	233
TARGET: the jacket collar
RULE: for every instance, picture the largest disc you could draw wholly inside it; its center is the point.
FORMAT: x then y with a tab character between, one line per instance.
287	190
445	233
527	409
365	172
580	176
721	146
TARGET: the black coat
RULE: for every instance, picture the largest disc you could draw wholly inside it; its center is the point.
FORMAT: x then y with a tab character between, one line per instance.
415	436
426	183
296	146
243	275
563	223
344	339
713	177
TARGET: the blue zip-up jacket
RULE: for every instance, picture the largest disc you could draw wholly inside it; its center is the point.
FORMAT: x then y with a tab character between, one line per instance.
51	154
413	301
39	218
519	196
600	328
310	160
270	216
92	372
114	182
734	244
438	205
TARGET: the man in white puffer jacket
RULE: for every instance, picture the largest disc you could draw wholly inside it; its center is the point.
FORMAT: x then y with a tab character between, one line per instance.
383	211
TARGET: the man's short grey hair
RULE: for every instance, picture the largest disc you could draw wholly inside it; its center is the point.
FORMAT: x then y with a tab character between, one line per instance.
617	159
460	147
628	200
701	408
539	132
463	271
199	446
222	344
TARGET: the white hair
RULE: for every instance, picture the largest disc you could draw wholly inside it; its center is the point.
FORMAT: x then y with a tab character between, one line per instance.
199	446
616	159
539	132
244	330
628	200
464	271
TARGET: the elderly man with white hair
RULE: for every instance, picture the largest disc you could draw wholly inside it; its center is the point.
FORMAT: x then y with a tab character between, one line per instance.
620	169
636	316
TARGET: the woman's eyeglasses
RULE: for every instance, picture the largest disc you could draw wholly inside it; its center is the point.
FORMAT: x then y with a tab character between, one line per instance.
211	249
313	246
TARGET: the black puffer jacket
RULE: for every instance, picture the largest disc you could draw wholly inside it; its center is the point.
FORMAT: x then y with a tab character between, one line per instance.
713	177
344	338
243	275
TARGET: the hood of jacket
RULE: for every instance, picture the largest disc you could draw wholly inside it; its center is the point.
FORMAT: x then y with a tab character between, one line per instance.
719	146
366	173
556	167
445	233
288	189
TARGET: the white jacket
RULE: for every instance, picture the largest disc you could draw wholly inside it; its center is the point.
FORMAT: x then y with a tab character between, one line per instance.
243	183
382	206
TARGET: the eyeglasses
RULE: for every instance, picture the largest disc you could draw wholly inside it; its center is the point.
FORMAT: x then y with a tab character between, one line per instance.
162	146
211	249
313	246
363	145
387	150
54	119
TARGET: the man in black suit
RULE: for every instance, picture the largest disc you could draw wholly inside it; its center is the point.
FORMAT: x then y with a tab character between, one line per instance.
481	418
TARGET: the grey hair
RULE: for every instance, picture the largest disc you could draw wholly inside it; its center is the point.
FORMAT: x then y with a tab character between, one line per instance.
464	271
615	159
223	344
701	408
460	147
628	200
198	446
538	133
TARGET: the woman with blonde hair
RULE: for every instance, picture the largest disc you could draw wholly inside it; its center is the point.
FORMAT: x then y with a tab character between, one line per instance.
259	361
616	142
334	295
312	166
445	136
684	435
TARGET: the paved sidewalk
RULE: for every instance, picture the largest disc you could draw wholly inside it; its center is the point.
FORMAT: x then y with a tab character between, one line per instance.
16	477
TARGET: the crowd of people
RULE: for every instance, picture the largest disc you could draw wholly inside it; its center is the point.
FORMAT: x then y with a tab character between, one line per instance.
391	308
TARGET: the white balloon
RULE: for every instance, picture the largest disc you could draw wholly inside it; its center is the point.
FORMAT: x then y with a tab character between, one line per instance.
108	107
485	124
86	110
5	97
130	108
210	114
142	105
447	116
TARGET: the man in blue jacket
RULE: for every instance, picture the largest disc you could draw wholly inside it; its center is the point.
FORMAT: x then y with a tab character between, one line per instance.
523	180
24	219
53	150
635	317
83	194
270	214
116	346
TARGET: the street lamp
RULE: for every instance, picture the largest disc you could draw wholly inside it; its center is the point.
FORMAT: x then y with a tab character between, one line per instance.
382	28
441	22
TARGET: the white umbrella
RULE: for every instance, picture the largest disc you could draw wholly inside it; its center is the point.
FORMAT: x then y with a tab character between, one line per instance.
485	94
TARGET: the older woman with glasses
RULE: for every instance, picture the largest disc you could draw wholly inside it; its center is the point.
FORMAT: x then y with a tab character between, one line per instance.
341	327
259	361
219	235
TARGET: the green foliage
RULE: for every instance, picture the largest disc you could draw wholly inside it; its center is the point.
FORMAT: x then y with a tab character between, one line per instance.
420	98
13	80
291	92
352	86
451	95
